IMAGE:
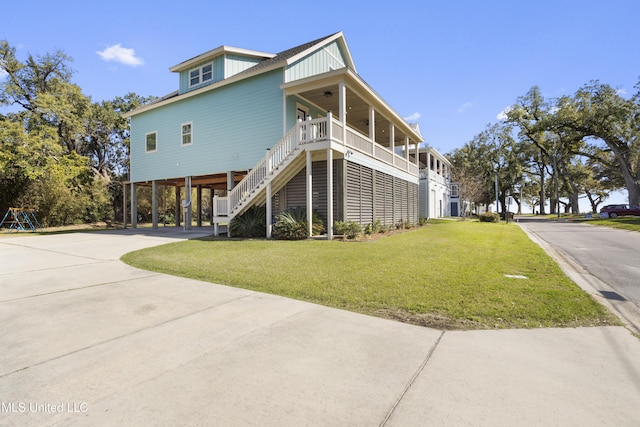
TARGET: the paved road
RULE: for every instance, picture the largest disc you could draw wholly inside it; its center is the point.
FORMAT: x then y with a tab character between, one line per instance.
610	256
86	340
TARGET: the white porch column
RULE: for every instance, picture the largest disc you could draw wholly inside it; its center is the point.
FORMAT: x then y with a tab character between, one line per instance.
417	159
329	194
392	138
406	148
154	205
134	206
269	209
342	106
309	194
372	123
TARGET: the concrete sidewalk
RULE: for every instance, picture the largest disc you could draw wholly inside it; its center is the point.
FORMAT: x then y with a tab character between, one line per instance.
88	340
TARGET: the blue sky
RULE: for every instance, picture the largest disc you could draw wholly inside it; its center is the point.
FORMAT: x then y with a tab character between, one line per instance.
450	65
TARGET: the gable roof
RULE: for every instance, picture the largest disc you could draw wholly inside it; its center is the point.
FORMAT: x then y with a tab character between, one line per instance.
216	52
290	56
270	62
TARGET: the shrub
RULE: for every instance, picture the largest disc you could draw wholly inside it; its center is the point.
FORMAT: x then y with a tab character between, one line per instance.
348	229
403	224
292	225
423	221
489	217
252	223
368	229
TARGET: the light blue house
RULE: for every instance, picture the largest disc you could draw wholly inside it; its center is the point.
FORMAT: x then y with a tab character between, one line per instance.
297	129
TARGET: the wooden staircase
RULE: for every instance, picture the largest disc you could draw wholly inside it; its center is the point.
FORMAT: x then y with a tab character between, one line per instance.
277	167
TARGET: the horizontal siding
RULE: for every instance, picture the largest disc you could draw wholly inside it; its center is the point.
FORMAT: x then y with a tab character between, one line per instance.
232	128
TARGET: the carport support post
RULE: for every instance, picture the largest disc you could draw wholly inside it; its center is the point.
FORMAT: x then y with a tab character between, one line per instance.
124	205
199	205
154	204
187	198
309	195
134	206
178	207
231	181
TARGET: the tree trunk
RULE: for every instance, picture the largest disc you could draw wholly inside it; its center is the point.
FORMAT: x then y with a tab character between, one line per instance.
542	190
594	201
633	187
633	183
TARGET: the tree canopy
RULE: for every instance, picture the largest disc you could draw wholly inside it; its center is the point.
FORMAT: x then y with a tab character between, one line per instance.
586	144
60	153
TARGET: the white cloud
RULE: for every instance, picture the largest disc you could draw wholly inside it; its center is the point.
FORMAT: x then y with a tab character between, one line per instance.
502	115
413	117
3	74
120	54
464	107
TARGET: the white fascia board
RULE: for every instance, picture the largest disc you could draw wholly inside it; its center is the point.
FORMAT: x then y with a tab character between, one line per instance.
381	105
361	88
216	85
337	36
219	51
439	155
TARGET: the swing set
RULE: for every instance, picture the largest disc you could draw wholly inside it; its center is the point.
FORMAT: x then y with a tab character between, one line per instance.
20	219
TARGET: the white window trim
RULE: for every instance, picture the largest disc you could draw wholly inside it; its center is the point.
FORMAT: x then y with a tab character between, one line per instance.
182	144
146	150
199	70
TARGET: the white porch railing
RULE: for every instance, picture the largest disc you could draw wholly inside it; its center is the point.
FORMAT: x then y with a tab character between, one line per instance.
303	133
306	132
433	175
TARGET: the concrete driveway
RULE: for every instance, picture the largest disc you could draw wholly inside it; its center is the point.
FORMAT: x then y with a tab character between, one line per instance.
87	340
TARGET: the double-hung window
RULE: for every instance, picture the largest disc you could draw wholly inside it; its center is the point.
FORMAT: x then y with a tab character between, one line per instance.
187	133
201	75
151	142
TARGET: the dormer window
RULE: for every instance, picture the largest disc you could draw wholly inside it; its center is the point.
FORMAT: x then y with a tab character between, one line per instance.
201	75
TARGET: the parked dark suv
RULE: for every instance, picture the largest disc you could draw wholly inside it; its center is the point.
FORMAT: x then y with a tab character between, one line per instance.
620	210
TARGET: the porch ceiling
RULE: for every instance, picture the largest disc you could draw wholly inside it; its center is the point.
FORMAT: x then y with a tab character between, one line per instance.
357	112
324	93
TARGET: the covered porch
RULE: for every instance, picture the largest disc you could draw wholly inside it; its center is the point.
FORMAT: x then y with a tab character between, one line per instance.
369	123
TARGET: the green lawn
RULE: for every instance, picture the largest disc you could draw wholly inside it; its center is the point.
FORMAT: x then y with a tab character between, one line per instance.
448	274
631	223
